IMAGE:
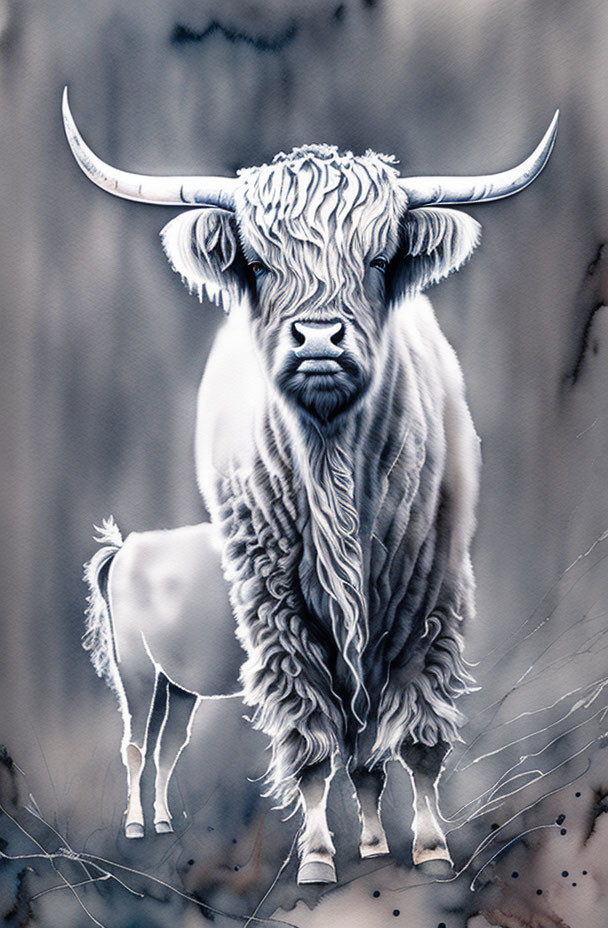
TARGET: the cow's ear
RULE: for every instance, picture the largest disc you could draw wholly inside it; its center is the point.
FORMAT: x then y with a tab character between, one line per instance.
435	242
202	245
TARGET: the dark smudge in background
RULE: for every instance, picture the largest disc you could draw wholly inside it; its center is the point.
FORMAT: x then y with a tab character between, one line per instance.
102	350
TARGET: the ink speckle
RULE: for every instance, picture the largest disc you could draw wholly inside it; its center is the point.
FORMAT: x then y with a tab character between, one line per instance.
564	873
234	840
574	884
441	925
563	831
494	826
560	819
539	892
376	893
210	828
237	868
584	873
190	862
515	874
577	795
396	912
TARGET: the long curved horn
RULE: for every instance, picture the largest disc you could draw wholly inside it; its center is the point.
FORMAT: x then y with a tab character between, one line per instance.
172	191
424	191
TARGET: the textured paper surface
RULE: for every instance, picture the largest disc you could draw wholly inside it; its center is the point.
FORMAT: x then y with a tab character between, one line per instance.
102	351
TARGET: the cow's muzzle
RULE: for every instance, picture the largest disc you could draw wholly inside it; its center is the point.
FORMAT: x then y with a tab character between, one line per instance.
317	346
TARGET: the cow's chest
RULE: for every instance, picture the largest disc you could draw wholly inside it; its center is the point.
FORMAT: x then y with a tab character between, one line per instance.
335	531
392	507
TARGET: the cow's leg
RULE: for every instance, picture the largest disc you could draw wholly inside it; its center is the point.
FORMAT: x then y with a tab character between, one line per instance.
174	735
170	609
144	700
315	846
424	765
368	785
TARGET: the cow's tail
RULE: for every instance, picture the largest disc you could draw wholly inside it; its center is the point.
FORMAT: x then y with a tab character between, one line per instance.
98	636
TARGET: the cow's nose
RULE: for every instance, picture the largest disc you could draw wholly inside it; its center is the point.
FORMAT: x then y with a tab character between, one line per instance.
318	339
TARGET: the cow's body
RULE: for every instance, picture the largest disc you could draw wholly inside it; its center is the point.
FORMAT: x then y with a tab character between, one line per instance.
339	462
410	459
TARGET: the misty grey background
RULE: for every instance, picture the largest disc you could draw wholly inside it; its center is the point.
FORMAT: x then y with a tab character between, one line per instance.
102	351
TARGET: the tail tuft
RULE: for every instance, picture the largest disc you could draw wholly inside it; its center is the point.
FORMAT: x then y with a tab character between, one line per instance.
108	533
98	637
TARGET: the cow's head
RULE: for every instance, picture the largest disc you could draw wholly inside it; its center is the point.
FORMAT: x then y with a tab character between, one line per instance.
319	245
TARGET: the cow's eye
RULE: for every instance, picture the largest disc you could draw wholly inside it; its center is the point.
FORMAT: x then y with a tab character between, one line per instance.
379	262
258	268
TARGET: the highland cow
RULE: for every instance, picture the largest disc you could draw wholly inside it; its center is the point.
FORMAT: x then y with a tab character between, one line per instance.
339	462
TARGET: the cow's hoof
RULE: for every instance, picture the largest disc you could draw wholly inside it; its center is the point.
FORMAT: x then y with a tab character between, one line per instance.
438	855
316	871
377	847
134	830
163	828
436	868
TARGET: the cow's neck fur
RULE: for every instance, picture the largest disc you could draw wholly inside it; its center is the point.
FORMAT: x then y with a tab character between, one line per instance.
328	480
328	463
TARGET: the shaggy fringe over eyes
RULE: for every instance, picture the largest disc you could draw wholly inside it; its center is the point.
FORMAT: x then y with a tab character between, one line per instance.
201	246
314	217
438	242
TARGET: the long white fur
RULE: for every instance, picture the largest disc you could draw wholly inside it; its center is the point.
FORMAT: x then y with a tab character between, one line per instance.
299	537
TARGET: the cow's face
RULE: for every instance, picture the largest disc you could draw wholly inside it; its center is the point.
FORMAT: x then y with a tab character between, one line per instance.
322	244
318	231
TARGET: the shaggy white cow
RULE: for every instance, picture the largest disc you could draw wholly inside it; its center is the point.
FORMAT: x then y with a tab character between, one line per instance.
339	462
